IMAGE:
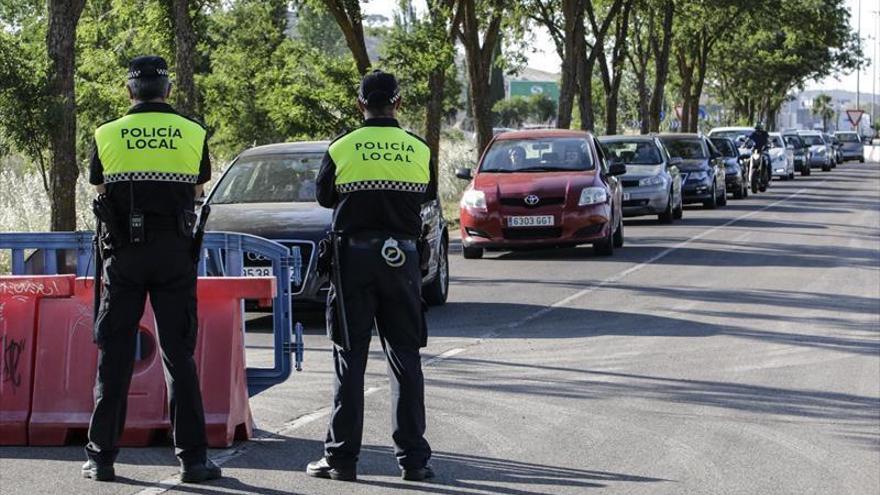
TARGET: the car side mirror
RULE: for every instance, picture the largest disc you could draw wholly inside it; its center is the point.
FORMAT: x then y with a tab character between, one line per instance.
616	169
464	174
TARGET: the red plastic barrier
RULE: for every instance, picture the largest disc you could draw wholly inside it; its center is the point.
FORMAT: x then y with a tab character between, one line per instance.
220	356
20	297
66	366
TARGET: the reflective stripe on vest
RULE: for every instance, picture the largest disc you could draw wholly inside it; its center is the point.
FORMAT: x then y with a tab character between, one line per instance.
381	159
151	146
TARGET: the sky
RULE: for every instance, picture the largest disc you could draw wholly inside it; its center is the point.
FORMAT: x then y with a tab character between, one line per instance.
543	56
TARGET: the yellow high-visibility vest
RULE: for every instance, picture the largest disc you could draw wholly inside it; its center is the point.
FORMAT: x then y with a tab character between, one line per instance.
381	158
151	146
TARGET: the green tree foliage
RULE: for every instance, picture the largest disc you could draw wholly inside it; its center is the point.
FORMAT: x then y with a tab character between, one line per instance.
23	103
515	111
264	87
412	50
778	47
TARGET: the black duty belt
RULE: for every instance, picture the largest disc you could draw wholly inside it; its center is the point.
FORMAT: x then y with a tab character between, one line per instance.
378	242
161	222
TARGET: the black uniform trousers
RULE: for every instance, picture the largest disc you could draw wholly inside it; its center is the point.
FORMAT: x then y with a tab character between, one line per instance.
163	268
390	297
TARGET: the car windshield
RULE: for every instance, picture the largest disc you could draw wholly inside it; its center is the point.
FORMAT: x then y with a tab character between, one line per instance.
813	140
848	137
776	142
731	134
725	146
270	179
685	147
637	152
538	155
794	141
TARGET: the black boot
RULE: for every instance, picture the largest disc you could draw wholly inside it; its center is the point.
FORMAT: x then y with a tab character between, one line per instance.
322	469
417	474
98	472
199	471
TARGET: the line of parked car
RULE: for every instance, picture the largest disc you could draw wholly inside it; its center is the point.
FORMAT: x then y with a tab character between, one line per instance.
532	188
563	188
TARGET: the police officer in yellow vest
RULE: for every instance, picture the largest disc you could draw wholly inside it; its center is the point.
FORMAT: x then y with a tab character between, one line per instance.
376	178
150	164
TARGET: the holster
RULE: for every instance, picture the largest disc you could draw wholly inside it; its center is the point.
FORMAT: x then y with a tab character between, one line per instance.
112	233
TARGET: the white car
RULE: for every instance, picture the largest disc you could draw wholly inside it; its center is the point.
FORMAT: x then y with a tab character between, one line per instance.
781	159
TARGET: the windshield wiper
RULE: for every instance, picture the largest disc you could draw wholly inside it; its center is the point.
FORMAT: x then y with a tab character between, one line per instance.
546	169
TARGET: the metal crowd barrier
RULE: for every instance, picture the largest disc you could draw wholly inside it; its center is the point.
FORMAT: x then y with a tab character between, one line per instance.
222	255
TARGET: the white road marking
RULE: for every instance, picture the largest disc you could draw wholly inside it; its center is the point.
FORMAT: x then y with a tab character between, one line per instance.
226	455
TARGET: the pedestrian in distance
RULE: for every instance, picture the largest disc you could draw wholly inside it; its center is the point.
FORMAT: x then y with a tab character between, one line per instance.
148	167
376	178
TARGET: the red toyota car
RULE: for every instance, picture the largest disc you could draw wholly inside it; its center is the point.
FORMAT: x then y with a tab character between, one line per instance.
542	188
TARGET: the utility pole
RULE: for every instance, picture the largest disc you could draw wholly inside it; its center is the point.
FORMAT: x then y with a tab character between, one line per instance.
859	66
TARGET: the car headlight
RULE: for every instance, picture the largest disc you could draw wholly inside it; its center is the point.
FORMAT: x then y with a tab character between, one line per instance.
820	150
593	196
656	180
474	198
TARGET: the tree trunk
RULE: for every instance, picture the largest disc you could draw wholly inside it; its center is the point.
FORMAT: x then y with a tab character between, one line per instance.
186	100
348	16
479	64
611	77
573	11
661	65
434	111
60	44
642	87
585	102
686	74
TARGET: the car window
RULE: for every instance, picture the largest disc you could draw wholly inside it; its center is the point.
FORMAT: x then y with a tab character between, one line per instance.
776	142
538	155
686	148
847	137
794	141
270	179
635	152
731	134
812	140
725	146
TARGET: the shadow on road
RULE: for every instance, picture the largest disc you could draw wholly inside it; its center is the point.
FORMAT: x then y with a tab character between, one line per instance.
513	321
856	415
456	472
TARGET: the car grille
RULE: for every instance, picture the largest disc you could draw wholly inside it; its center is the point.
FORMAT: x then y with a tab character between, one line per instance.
301	252
516	234
520	201
635	202
630	183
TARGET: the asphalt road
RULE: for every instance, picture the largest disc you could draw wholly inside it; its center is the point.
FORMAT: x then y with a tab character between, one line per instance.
737	351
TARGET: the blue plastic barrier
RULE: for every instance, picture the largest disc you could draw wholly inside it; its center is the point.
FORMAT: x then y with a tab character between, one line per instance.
225	256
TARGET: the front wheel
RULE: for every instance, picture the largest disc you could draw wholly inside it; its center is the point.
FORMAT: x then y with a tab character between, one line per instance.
712	203
618	235
605	247
722	199
472	253
668	214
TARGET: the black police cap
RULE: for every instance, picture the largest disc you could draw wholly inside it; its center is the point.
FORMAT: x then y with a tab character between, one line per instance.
147	66
378	89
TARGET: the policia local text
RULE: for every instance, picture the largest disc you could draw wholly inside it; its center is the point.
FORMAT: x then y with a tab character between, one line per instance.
138	138
402	150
